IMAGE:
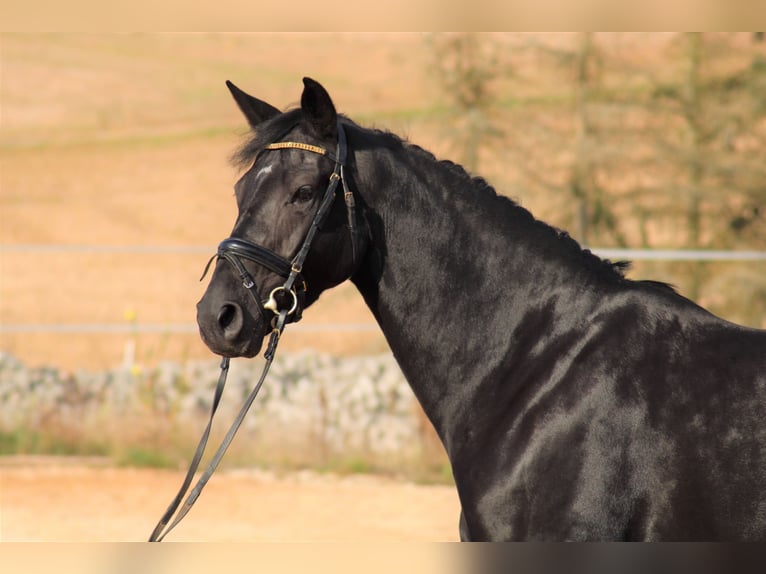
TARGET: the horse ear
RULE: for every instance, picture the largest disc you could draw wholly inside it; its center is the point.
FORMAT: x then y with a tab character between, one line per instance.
255	110
318	109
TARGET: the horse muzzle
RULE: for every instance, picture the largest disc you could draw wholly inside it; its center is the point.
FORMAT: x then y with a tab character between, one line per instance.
230	329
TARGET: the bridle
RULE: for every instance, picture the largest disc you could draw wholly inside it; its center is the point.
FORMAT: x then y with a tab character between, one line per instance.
233	250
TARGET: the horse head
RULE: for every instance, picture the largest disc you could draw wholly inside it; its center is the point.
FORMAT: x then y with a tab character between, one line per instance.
295	233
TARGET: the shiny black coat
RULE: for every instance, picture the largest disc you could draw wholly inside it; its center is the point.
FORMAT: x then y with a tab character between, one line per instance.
574	404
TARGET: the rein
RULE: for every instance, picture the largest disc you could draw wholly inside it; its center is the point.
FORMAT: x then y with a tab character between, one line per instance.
233	250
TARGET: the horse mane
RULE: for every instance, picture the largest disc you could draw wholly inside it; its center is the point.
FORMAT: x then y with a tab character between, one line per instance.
479	188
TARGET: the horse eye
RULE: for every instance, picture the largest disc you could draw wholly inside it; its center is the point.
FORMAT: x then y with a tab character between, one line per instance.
304	193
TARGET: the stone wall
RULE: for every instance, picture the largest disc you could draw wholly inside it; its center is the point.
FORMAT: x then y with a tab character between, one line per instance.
338	405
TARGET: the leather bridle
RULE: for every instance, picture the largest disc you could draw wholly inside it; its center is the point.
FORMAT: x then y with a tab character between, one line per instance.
233	250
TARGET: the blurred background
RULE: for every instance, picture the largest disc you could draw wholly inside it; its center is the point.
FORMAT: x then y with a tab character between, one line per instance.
116	188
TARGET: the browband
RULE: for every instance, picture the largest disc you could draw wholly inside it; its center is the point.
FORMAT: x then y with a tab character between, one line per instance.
297	145
339	159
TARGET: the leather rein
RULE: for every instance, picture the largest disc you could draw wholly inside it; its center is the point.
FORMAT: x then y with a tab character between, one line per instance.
292	292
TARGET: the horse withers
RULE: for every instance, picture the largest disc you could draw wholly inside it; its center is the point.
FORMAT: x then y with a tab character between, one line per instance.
573	403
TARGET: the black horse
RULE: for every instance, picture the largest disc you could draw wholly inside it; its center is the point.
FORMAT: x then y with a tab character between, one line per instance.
574	403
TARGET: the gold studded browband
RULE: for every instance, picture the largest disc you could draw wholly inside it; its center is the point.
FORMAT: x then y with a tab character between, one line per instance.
297	145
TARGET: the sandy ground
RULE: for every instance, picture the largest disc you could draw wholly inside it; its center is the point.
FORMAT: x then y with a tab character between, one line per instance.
61	501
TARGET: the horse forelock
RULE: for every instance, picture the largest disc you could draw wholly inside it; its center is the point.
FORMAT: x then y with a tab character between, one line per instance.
266	133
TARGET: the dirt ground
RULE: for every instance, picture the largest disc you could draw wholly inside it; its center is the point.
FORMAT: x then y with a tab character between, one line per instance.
73	501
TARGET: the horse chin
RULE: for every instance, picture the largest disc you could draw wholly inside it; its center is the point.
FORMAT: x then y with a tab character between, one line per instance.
246	347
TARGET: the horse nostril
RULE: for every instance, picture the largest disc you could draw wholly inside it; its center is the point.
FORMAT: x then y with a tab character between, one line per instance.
230	319
226	315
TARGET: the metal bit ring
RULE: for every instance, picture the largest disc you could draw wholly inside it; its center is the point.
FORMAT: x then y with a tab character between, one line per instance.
272	304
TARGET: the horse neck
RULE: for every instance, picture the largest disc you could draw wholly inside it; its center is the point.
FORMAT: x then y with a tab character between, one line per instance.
451	274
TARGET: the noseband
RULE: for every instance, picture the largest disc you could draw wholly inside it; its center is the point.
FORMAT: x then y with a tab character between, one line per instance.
233	250
292	292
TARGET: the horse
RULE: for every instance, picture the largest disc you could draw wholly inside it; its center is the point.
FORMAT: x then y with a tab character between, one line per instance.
574	403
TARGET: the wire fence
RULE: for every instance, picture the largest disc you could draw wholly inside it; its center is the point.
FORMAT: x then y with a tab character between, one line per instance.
162	328
166	328
633	254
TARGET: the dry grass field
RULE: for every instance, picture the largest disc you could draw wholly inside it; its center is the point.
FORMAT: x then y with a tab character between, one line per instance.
123	140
